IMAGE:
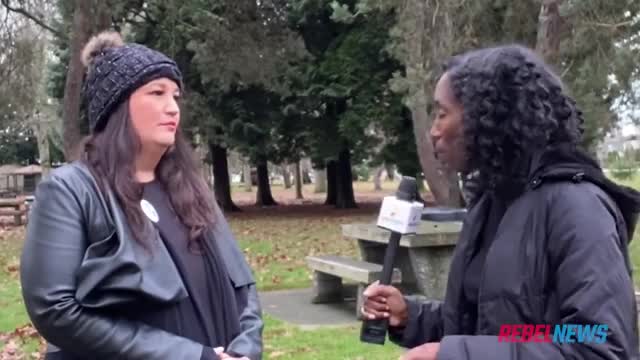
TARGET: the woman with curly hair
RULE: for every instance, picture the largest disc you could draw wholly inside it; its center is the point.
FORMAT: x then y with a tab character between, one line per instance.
545	242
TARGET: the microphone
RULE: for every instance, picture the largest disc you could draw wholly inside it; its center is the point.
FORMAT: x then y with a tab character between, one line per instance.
401	215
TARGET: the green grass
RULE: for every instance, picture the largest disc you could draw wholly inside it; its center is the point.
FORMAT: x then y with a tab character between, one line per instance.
11	306
275	243
14	322
289	342
633	182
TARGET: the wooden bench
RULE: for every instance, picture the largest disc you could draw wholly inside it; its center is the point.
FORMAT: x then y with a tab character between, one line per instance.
330	270
16	207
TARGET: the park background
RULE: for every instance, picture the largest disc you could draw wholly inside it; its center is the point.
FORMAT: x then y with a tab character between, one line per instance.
303	113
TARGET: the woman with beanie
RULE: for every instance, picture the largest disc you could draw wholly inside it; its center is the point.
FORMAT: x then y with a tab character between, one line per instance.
127	255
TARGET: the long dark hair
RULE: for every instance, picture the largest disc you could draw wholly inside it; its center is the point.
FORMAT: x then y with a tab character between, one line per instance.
513	105
110	155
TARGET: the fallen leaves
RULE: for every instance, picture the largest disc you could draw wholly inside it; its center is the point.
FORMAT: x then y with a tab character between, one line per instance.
23	342
13	267
11	240
26	331
15	341
277	354
289	354
10	351
276	241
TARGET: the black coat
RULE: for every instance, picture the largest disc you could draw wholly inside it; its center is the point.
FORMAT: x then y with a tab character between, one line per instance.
80	263
560	256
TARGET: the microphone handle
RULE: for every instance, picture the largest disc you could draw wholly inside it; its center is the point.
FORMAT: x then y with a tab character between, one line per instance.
390	257
375	331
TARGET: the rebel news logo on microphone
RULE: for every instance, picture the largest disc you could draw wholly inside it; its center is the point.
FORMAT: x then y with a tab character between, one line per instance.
558	334
399	215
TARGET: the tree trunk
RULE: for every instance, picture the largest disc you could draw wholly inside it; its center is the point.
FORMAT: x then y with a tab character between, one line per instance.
550	28
103	19
209	169
264	197
306	178
82	29
377	186
456	197
391	175
221	182
41	122
71	102
429	39
286	176
321	181
420	182
246	174
298	176
200	151
41	129
345	198
332	182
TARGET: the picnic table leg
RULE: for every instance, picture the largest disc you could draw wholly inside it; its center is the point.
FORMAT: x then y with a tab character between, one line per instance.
360	301
373	252
327	288
431	267
17	219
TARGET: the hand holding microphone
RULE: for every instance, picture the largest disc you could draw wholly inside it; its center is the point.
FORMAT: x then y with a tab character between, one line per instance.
385	302
401	215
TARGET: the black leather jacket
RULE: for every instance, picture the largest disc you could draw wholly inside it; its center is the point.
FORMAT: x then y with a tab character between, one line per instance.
80	262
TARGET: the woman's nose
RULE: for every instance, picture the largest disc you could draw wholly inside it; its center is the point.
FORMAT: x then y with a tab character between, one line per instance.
172	108
434	132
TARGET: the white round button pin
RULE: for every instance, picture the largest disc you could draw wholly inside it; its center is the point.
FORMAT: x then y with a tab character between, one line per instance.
149	210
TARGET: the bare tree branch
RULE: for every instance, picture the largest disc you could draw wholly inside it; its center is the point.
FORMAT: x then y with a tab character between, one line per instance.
35	19
566	70
613	26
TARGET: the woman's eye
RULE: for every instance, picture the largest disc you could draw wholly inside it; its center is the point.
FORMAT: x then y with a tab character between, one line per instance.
157	92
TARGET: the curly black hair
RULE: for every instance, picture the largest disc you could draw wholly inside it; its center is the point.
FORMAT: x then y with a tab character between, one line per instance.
513	105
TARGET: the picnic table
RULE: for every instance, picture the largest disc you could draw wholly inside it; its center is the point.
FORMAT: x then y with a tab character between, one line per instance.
18	207
423	258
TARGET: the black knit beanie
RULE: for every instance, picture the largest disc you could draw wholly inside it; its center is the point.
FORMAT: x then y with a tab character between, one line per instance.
115	70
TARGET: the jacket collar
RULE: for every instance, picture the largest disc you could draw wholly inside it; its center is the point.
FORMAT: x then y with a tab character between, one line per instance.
154	275
568	163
